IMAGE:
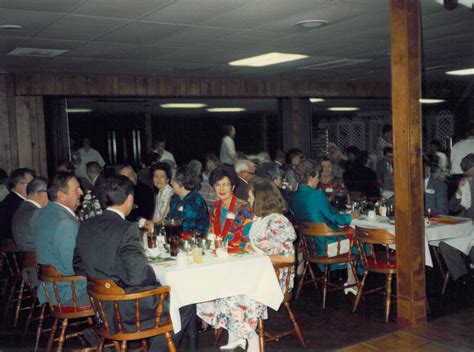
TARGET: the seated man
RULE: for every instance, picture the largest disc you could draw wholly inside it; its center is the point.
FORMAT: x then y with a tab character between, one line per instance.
463	202
245	169
108	247
56	232
436	192
93	179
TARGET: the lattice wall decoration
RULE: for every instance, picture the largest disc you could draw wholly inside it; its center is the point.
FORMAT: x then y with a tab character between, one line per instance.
444	126
359	133
375	127
350	132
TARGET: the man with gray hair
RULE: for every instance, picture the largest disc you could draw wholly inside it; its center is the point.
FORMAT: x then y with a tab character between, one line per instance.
25	218
245	170
462	201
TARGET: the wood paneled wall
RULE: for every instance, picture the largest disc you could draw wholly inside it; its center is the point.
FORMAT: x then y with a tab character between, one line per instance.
95	85
22	132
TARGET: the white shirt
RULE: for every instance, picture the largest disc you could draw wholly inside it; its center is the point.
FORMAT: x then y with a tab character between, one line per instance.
459	151
227	154
68	209
36	204
167	156
3	192
19	195
122	215
162	201
87	157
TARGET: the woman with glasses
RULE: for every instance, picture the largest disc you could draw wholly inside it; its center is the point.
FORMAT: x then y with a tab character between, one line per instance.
230	218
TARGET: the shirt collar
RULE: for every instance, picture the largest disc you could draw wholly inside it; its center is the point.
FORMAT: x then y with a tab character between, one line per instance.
118	212
19	195
33	202
243	180
68	209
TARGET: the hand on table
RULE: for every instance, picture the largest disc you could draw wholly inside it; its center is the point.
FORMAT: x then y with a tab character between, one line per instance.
355	214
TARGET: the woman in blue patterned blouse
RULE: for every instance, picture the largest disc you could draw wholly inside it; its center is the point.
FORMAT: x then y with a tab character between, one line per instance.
187	204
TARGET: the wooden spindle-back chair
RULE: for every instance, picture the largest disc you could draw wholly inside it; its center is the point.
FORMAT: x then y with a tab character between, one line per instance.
309	232
83	314
108	292
378	256
13	262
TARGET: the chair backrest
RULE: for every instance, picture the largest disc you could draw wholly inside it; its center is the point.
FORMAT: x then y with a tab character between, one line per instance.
374	247
12	260
29	260
49	274
285	272
310	231
103	292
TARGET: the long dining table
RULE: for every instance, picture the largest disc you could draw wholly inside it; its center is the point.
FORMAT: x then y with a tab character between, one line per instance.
456	231
251	274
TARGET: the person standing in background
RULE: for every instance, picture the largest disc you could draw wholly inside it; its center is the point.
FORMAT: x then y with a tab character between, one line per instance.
160	148
227	153
385	141
84	156
460	150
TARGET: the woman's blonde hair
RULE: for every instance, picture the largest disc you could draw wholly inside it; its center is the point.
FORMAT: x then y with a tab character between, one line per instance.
268	199
306	169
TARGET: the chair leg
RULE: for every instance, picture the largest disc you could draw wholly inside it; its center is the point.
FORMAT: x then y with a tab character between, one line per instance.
261	335
31	311
123	347
18	303
388	298
217	335
300	283
169	341
445	283
354	272
117	346
313	277
359	293
9	301
40	326
51	335
325	283
62	335
296	326
144	345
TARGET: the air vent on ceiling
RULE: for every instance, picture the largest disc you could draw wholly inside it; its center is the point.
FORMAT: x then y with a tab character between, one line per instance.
37	52
327	65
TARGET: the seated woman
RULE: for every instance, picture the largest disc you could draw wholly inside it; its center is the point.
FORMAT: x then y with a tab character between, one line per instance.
329	182
230	217
271	234
292	158
187	205
311	204
161	176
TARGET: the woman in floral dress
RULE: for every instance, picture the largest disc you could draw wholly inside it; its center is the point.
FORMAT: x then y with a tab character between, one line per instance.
271	234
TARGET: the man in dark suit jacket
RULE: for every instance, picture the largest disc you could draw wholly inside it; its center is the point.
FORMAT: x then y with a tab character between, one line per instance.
108	247
25	218
245	170
19	179
143	197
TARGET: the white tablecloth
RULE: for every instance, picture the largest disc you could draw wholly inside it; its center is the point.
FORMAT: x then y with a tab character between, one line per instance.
458	235
249	274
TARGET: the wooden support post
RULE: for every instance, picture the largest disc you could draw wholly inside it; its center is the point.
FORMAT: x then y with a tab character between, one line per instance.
406	118
296	116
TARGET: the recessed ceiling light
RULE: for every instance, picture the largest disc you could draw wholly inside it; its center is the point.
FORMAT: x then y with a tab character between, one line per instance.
78	110
10	26
316	100
226	109
465	72
431	101
267	59
343	108
183	105
311	24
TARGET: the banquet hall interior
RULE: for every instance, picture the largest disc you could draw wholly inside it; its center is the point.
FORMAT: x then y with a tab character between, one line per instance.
125	74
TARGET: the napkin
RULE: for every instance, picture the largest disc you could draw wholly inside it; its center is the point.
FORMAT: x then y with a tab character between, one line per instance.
152	252
221	253
466	195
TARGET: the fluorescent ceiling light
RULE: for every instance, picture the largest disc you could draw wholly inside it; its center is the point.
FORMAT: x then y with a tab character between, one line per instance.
267	59
316	100
343	108
431	101
311	24
78	110
183	105
10	26
465	72
226	109
37	52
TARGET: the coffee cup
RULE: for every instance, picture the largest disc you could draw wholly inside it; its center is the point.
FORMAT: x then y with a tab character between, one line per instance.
371	215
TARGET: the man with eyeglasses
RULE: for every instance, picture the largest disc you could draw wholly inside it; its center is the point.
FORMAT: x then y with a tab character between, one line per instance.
18	182
245	170
24	220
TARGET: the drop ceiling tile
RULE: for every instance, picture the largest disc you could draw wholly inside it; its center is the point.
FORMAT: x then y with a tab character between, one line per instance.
141	33
245	40
31	21
330	13
444	18
466	27
52	43
203	55
95	50
61	6
195	11
8	43
196	37
80	27
120	8
262	13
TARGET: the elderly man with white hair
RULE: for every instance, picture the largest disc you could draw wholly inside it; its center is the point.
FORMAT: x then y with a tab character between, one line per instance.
245	170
